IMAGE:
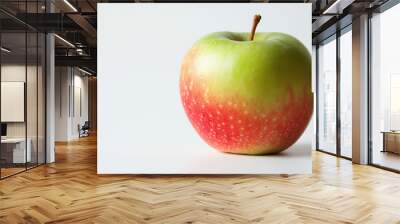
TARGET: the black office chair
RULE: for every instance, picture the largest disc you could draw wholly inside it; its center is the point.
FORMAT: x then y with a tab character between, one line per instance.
84	130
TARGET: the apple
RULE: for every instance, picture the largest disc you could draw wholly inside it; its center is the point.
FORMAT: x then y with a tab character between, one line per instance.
247	93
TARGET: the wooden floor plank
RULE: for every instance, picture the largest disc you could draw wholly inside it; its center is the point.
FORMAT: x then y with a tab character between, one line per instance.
70	191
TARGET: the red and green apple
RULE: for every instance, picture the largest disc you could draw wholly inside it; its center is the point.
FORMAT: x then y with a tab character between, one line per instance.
248	93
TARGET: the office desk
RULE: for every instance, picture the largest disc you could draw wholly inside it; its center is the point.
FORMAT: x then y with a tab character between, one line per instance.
391	141
13	150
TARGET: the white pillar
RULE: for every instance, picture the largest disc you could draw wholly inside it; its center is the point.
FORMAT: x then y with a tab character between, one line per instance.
360	90
50	92
50	99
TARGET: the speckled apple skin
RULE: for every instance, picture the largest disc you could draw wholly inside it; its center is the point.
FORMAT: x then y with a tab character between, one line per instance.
247	97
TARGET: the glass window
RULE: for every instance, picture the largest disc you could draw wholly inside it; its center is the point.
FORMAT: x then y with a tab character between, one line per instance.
327	96
385	87
346	94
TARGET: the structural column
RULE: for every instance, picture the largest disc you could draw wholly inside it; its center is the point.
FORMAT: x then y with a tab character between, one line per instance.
360	90
50	92
50	99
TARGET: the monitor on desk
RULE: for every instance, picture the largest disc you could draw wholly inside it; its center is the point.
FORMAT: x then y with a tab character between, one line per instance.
3	130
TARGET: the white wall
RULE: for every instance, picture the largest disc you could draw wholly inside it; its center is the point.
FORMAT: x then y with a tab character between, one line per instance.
80	112
61	103
69	84
16	72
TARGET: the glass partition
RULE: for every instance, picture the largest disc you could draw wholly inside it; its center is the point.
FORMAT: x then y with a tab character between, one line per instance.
14	153
22	98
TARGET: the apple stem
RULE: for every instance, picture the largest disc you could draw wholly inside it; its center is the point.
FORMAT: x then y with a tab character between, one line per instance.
256	20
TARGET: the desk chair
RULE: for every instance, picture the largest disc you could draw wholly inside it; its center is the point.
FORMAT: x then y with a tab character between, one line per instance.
84	130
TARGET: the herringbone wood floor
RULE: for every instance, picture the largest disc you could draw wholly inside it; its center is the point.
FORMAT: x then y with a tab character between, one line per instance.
69	191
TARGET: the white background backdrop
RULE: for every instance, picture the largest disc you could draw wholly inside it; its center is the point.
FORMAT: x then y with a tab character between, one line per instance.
142	127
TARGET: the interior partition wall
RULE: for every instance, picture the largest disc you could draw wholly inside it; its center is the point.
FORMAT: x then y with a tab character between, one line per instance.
334	94
23	88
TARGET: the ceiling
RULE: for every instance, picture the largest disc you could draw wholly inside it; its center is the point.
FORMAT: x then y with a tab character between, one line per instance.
75	22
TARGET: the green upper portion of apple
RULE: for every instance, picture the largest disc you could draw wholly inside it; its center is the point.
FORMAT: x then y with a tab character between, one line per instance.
263	70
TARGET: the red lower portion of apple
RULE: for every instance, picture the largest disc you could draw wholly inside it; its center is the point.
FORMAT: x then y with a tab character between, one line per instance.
231	128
